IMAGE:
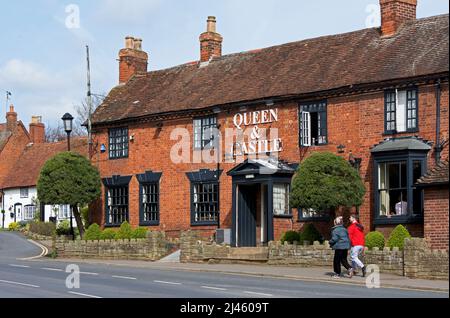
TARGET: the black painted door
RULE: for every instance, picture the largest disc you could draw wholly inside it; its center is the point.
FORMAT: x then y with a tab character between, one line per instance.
247	216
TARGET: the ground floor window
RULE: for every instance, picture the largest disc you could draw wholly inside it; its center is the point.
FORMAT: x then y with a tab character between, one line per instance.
205	201
117	205
29	212
397	196
281	199
64	212
150	203
311	214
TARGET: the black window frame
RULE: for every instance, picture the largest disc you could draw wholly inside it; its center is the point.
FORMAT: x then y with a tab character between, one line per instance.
204	142
149	179
321	108
390	113
205	178
411	216
115	183
112	141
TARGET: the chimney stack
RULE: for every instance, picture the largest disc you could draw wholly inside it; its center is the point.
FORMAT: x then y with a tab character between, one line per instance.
396	12
11	119
37	130
132	59
210	42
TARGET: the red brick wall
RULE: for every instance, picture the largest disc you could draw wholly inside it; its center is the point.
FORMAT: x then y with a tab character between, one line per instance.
354	121
436	217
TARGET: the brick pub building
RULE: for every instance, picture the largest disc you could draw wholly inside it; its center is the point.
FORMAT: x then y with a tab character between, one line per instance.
378	97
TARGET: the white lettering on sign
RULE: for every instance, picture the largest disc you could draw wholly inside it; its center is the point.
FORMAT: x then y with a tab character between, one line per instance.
255	118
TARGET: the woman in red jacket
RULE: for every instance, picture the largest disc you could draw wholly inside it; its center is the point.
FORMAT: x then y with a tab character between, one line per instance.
357	240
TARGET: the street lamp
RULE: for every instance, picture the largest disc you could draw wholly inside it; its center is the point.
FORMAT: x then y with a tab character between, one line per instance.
68	121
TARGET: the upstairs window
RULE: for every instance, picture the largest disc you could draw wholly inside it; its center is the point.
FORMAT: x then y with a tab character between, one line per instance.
313	124
204	132
118	143
24	193
401	111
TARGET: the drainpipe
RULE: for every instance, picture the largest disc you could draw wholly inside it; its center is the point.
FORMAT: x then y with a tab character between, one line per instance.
438	146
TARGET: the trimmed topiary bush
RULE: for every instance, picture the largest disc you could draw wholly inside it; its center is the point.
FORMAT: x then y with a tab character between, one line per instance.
139	233
290	237
93	233
63	228
398	236
310	234
125	232
108	234
375	239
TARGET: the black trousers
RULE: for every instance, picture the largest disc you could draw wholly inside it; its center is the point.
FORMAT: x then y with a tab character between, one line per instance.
340	257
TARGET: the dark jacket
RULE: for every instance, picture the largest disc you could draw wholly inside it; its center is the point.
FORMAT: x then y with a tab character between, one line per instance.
339	238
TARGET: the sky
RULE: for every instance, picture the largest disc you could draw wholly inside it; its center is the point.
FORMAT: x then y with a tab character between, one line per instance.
43	42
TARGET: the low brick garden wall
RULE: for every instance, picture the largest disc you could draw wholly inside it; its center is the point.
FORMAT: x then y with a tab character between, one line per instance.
153	248
415	261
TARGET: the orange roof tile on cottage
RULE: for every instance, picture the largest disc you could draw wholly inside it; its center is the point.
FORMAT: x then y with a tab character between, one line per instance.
25	172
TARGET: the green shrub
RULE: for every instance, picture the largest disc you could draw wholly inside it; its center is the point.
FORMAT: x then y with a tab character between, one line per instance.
23	224
63	228
139	233
93	233
85	216
14	226
375	239
125	232
290	237
310	234
398	236
41	228
108	234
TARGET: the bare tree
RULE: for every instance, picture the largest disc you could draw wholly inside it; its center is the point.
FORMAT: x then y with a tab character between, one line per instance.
57	133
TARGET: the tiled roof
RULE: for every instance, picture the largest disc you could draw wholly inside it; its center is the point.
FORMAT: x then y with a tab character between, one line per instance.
4	135
420	48
437	176
26	171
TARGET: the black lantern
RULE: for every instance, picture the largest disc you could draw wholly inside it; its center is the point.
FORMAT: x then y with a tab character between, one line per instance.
68	122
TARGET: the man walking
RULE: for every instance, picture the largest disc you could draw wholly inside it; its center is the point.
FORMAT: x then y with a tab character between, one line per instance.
357	240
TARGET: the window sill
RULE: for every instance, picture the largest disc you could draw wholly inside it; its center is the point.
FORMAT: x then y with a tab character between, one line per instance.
398	220
121	158
149	224
315	219
205	224
282	216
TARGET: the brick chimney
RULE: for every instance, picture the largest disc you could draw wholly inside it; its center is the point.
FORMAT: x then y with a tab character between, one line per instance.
37	130
396	12
210	42
132	59
11	119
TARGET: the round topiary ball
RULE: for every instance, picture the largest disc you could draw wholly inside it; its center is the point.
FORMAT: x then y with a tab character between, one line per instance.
398	236
290	237
375	239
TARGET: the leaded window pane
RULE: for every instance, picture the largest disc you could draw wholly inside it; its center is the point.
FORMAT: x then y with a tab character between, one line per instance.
117	209
118	143
206	202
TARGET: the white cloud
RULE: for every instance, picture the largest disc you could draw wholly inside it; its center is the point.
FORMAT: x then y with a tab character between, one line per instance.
131	11
26	75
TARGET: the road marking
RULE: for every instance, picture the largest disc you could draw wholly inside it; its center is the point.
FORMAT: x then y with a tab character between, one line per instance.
87	273
215	288
125	277
52	269
43	253
168	283
259	294
84	295
20	266
20	284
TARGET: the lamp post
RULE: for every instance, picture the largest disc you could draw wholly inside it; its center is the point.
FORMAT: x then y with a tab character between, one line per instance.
68	122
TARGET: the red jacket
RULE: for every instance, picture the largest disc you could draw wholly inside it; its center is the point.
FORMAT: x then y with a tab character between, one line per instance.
356	234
